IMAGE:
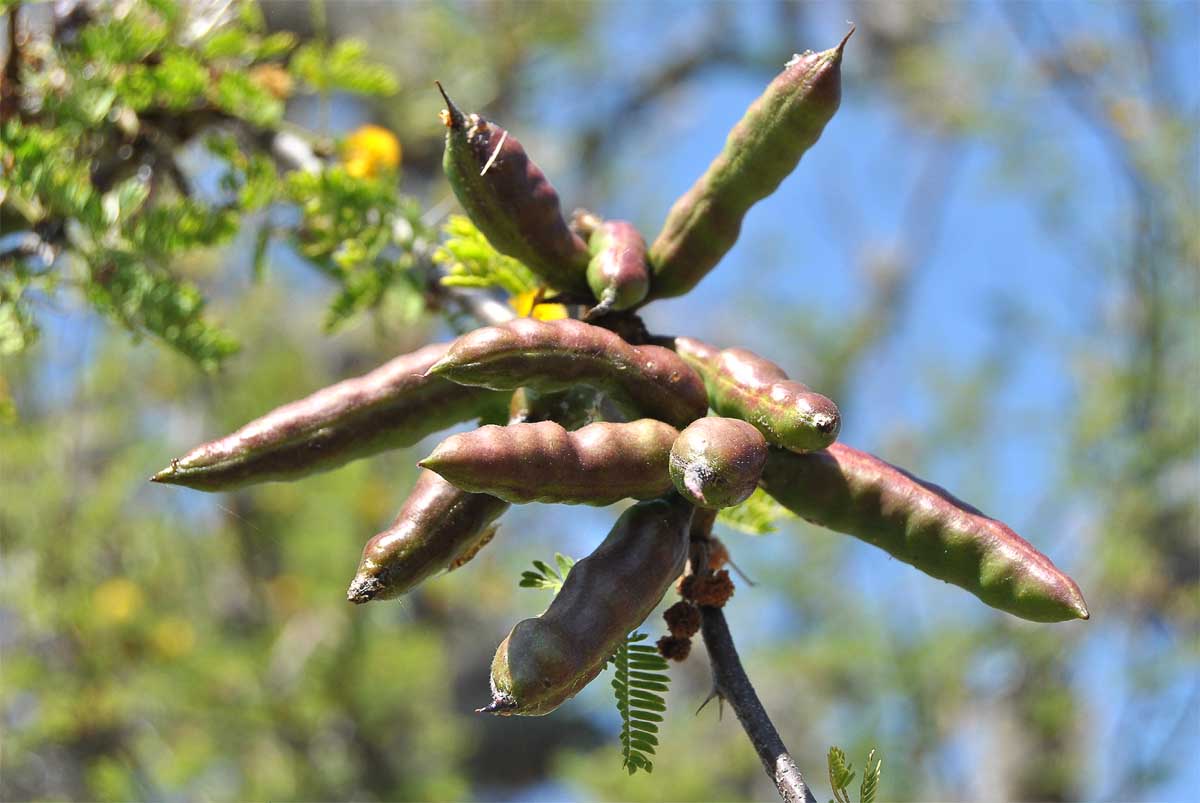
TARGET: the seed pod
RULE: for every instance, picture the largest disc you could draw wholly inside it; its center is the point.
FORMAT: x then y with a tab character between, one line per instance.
597	465
558	355
545	661
761	150
509	198
438	529
617	273
393	406
716	462
923	525
741	384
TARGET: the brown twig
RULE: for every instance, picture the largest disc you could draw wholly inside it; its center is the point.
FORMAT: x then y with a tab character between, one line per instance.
10	77
734	687
731	684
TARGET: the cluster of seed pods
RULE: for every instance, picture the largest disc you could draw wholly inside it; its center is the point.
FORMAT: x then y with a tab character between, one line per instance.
600	412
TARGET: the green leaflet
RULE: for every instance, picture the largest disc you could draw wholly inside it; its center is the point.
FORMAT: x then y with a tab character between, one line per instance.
639	683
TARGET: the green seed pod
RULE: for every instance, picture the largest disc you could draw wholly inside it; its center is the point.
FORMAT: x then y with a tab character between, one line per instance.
923	525
599	464
741	384
761	150
618	274
545	661
509	198
438	528
557	355
393	406
717	462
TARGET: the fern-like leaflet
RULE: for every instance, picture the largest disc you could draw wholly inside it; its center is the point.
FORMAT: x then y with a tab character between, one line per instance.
841	775
639	681
546	576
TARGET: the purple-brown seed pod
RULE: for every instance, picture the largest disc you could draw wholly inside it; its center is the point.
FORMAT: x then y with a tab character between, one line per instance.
547	660
438	527
618	273
393	406
511	201
923	525
743	385
557	355
599	464
717	462
759	153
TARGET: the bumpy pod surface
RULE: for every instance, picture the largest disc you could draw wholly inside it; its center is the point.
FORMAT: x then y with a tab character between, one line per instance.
552	356
761	150
545	661
393	406
923	525
741	384
599	464
618	273
511	201
717	462
438	526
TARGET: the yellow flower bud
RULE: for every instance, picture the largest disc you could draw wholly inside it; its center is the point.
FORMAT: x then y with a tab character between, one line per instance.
526	307
369	151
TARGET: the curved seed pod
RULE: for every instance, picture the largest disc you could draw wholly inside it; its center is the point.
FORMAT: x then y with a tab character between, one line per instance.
545	661
761	150
439	528
923	525
509	198
717	462
395	405
558	355
599	464
618	273
741	384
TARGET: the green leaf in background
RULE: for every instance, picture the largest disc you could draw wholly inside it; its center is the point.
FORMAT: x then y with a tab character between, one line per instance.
758	515
341	67
471	261
547	577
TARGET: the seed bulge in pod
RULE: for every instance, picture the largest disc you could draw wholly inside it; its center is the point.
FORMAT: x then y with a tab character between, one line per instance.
716	462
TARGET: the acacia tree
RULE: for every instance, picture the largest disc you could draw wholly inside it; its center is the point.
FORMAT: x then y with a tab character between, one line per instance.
562	376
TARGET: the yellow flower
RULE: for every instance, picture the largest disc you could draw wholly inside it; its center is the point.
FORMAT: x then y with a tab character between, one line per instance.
369	151
523	303
117	600
173	637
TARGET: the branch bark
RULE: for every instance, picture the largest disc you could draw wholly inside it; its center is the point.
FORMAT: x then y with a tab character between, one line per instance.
734	686
731	683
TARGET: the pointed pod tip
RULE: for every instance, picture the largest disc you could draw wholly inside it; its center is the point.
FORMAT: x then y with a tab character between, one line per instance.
454	116
499	705
842	44
438	368
167	475
363	588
